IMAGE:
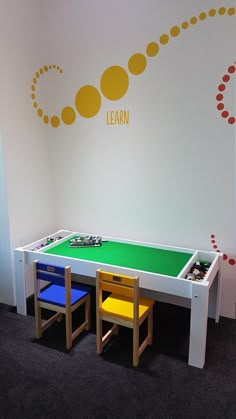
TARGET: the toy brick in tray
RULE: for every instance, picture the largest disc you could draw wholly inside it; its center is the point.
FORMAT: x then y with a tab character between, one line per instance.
49	240
87	241
198	271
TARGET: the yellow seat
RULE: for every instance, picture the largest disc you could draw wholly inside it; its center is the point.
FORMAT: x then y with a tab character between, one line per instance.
61	296
122	307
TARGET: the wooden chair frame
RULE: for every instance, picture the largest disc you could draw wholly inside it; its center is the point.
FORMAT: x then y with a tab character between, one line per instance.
128	287
40	324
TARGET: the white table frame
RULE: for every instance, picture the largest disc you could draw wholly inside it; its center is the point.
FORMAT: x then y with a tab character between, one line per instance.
195	293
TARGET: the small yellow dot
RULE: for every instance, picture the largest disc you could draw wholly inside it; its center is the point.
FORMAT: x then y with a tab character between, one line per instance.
54	66
40	112
33	96
184	25
68	115
61	71
175	31
50	66
137	64
193	20
202	16
35	105
34	80
152	49
231	11
212	12
37	75
45	119
33	88
55	121
164	39
222	11
41	71
45	68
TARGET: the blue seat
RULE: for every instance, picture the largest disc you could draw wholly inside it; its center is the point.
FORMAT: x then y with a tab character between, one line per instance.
60	296
55	294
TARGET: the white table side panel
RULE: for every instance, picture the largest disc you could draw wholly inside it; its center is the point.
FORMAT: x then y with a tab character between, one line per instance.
148	280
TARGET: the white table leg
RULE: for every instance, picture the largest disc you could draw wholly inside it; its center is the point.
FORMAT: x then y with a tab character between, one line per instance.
19	261
198	325
218	297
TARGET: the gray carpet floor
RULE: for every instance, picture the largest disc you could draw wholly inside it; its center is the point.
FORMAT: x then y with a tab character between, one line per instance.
40	379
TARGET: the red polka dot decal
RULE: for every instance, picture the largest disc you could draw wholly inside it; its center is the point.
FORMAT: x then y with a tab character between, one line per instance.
231	261
219	97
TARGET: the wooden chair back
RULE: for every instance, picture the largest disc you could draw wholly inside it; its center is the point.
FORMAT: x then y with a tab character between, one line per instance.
122	285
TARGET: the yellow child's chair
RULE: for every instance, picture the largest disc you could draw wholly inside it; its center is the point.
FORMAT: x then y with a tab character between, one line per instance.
122	307
61	296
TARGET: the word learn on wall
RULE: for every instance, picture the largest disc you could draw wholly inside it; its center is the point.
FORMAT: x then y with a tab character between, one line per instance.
114	81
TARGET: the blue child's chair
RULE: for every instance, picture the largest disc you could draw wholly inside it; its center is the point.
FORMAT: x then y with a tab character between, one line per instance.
60	296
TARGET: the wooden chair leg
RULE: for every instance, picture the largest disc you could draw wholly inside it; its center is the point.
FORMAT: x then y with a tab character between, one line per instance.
99	336
38	329
115	329
150	326
87	313
135	346
60	317
68	330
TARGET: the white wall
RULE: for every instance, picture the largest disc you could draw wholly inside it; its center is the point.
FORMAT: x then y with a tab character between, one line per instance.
24	143
168	176
6	279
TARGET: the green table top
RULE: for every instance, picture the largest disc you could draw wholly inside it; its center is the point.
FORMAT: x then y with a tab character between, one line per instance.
133	256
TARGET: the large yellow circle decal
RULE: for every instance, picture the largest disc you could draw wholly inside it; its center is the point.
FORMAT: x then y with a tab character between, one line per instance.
114	82
88	101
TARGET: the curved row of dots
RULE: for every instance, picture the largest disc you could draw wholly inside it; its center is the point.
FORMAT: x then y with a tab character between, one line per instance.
231	261
114	81
54	120
221	88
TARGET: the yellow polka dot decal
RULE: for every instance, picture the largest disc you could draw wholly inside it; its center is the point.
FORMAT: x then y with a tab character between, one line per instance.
222	11
68	115
114	81
212	12
231	11
55	121
202	16
137	64
193	20
185	25
88	101
164	39
175	31
152	49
